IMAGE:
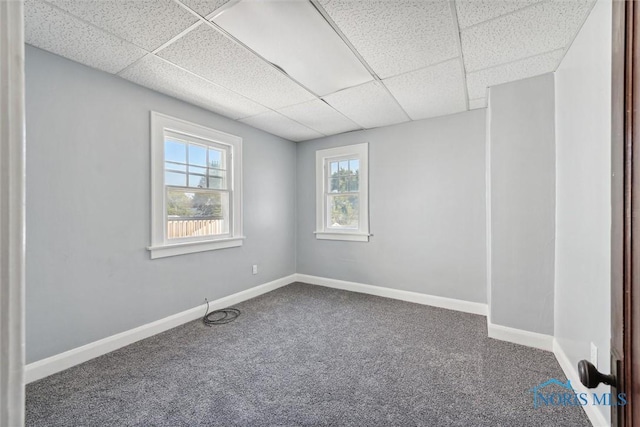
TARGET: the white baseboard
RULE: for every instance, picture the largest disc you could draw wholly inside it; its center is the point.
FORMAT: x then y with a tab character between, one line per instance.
519	336
45	367
415	297
51	365
596	416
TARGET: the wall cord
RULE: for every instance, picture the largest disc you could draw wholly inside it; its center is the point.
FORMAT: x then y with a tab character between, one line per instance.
220	317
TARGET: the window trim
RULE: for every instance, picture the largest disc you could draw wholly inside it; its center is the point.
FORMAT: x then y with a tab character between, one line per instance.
161	246
361	152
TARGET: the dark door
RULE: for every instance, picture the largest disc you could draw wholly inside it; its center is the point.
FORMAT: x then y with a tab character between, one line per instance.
625	247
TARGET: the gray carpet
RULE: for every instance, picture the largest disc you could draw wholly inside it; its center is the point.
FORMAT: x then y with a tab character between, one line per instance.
305	355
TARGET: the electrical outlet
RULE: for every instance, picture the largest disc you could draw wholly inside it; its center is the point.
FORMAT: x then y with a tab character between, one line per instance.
255	268
594	355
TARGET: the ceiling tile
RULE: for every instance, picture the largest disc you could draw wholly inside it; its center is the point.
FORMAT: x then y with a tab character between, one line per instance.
165	77
280	125
145	23
541	28
53	30
430	92
204	7
471	12
479	81
397	36
369	105
293	35
319	116
213	56
474	104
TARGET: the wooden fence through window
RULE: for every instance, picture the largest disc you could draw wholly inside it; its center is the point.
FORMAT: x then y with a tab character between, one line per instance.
190	227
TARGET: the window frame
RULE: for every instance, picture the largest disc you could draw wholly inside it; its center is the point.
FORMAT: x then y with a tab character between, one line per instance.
161	246
323	157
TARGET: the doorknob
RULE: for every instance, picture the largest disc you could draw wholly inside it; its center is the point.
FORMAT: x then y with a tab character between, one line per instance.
590	377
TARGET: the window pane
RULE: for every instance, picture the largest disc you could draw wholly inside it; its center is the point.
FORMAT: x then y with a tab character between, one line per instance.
197	170
344	211
334	185
354	165
344	166
216	159
198	213
175	151
333	168
217	179
175	178
197	155
353	183
175	166
197	181
344	183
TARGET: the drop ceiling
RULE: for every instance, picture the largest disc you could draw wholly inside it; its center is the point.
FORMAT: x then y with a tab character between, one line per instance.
398	60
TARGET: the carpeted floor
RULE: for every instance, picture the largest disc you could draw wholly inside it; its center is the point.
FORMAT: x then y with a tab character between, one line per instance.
305	355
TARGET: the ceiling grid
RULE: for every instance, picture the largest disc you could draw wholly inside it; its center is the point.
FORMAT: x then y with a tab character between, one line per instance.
425	58
373	73
456	28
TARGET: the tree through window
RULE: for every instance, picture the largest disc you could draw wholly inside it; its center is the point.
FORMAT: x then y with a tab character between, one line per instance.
344	203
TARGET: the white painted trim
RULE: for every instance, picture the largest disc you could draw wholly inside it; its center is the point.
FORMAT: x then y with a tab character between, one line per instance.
595	415
51	365
488	213
62	361
520	336
192	247
354	151
161	247
349	237
415	297
12	213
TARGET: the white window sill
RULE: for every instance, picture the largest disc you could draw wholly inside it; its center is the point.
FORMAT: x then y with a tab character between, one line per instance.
349	237
164	251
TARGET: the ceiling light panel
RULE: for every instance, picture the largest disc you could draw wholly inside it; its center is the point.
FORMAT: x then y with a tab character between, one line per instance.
479	81
51	29
474	104
319	116
164	77
204	7
208	53
369	105
145	23
280	125
471	12
294	36
430	92
397	36
541	28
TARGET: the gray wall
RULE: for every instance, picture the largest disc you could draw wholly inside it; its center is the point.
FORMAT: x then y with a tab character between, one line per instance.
427	209
583	231
89	275
522	170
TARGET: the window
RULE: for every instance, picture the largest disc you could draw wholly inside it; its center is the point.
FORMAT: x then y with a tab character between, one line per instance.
342	193
196	191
